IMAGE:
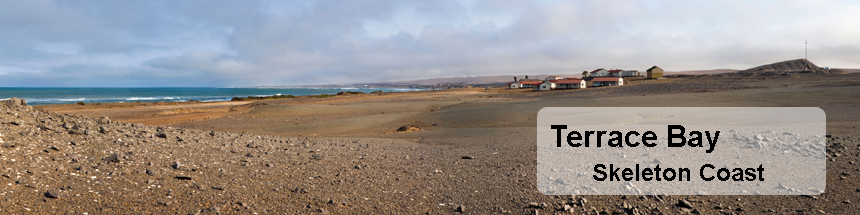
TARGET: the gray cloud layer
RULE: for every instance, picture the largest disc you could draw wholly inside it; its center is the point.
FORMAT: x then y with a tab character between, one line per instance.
250	43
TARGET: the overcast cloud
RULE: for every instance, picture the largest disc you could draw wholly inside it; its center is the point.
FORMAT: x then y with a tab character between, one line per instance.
251	43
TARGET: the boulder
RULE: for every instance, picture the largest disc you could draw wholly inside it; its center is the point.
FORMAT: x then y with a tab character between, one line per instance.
14	102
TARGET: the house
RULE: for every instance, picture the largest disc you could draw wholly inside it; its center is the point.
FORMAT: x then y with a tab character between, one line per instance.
553	78
623	73
599	73
546	85
630	73
607	81
655	72
570	83
514	85
529	84
558	84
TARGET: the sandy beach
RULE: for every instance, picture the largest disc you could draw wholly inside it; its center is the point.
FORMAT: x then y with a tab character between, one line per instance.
474	152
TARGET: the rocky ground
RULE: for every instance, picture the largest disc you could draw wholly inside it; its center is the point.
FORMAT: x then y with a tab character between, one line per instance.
474	154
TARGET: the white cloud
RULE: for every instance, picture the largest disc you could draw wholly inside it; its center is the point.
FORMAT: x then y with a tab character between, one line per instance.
151	43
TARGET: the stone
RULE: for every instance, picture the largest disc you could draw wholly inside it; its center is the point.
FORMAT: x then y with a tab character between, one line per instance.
459	209
15	102
182	177
52	194
161	135
113	158
103	120
684	204
468	157
317	157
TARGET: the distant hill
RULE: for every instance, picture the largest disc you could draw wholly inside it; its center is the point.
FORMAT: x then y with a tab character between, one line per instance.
700	72
793	66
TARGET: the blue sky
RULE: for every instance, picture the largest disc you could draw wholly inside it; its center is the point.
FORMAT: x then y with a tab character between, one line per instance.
266	43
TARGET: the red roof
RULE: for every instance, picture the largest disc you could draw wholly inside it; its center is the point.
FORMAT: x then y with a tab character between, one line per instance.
615	71
606	79
568	81
530	82
597	70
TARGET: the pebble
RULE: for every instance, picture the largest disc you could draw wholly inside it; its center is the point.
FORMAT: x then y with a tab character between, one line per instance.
468	157
182	177
459	209
317	157
52	194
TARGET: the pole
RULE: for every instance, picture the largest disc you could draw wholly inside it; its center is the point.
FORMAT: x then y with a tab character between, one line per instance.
805	50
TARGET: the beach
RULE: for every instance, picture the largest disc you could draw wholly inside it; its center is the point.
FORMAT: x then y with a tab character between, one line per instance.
471	151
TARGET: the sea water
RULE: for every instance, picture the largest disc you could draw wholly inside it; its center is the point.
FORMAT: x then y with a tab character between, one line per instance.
44	96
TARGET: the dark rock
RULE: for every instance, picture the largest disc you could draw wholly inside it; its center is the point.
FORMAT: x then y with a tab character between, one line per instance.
113	158
176	165
218	188
408	128
317	157
468	157
459	209
52	194
182	177
161	135
684	204
150	172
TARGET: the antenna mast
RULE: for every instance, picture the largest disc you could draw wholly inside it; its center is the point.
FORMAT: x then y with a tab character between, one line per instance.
805	50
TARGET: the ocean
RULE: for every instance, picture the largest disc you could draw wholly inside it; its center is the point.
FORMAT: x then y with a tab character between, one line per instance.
46	96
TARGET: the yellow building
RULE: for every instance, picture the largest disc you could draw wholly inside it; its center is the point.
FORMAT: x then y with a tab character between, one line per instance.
655	72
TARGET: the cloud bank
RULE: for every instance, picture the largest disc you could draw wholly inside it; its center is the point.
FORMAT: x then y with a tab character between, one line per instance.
257	43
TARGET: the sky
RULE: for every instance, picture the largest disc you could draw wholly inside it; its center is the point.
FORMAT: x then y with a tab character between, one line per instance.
46	43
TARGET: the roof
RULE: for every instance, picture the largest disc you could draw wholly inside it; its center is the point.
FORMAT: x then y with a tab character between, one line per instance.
596	70
509	84
530	82
606	79
615	71
649	69
568	81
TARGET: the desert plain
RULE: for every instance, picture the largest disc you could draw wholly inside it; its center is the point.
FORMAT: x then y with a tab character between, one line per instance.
463	151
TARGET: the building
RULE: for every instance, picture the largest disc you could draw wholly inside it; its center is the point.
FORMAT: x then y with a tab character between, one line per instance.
529	84
558	84
514	85
614	73
607	81
570	83
655	72
630	73
599	73
546	85
553	78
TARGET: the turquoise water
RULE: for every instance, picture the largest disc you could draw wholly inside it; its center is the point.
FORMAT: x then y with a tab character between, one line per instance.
44	96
